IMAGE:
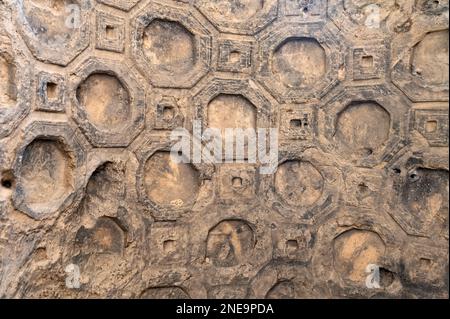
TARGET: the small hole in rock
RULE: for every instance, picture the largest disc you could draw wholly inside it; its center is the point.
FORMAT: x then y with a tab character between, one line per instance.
414	176
431	126
110	32
397	171
292	244
235	56
7	180
425	262
363	187
169	246
168	113
52	91
236	182
367	62
386	277
296	123
6	183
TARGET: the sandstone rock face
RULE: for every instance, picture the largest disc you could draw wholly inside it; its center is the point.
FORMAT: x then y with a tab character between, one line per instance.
92	205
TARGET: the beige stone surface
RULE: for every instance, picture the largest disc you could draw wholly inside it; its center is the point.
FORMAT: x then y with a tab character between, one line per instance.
92	206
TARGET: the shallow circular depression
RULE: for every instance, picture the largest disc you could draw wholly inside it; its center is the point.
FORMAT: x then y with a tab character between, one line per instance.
169	46
299	183
46	175
105	100
299	62
168	183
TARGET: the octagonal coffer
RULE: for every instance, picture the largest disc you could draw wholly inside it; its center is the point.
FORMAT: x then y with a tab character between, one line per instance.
46	174
108	103
48	169
365	125
362	128
423	76
55	31
300	62
169	47
172	45
299	183
432	70
168	184
15	85
353	250
419	197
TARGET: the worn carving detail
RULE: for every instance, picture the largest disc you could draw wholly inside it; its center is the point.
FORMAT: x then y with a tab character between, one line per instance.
417	74
51	34
50	93
173	43
235	56
330	177
110	32
241	16
299	62
432	125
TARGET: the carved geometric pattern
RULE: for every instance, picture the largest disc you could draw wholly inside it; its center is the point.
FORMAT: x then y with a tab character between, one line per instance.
51	92
235	56
110	169
369	62
158	31
308	10
299	62
244	17
110	32
433	125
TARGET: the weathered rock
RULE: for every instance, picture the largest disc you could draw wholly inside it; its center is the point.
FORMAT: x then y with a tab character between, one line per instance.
92	205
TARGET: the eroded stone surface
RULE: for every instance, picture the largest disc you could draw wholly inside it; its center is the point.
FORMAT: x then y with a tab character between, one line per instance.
362	128
106	101
168	183
8	89
92	205
229	243
46	174
354	250
299	62
299	183
433	70
169	46
47	19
